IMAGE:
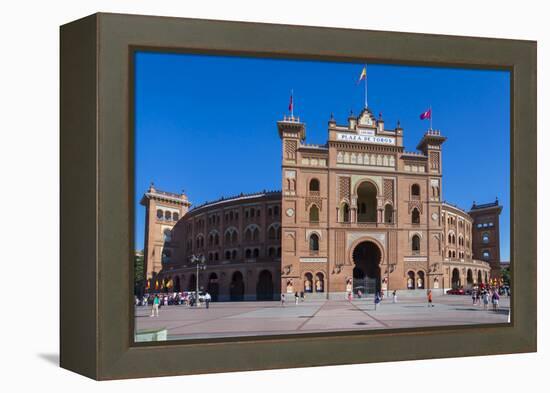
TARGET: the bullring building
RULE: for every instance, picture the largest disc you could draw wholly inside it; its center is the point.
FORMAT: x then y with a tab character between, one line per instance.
358	213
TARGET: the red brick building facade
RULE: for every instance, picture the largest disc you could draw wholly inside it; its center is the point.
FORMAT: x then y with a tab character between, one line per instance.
358	213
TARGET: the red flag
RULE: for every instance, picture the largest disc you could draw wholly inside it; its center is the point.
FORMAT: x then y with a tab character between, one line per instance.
291	104
426	115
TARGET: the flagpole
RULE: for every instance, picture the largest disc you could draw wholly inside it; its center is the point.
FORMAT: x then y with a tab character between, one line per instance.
431	115
366	104
292	103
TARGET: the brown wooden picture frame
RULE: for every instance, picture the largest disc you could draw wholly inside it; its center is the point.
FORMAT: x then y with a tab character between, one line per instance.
97	205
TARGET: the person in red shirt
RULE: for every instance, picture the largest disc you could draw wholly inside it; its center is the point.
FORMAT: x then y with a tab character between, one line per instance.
430	304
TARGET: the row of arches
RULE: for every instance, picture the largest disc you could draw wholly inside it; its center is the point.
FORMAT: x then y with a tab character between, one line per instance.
231	236
167	215
471	279
272	252
233	289
416	280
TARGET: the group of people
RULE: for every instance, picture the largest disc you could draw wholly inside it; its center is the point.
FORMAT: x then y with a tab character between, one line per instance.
298	298
156	301
485	296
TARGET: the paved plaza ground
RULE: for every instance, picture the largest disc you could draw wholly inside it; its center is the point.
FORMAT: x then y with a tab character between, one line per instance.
232	319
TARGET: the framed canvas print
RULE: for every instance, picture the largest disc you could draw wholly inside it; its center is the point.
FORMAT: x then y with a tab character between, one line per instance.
239	196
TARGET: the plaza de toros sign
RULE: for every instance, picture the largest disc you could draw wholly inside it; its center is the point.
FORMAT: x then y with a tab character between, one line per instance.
381	140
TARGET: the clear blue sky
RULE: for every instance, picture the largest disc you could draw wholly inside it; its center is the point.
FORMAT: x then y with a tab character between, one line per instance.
207	124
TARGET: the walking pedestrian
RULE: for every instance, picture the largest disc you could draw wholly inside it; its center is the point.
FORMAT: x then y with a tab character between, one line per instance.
376	300
394	296
207	299
301	296
430	304
485	297
473	297
296	297
496	298
282	299
155	309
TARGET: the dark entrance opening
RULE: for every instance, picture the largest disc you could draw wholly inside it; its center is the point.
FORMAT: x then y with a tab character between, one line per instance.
236	289
213	286
455	279
264	288
366	273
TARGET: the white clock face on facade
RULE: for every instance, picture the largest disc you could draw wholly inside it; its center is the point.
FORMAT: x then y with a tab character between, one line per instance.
290	212
434	216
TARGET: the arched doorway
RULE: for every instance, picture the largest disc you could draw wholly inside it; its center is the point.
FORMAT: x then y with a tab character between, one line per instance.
420	280
410	280
264	288
366	202
469	278
366	273
308	282
236	289
479	278
319	282
455	279
213	286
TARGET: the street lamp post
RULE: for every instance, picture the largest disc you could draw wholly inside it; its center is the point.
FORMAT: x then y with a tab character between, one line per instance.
200	261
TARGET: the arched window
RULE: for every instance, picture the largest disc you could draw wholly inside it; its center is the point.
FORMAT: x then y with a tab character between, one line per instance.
344	212
416	243
167	215
314	213
256	253
271	233
175	216
366	202
314	242
415	191
485	237
160	214
228	255
234	254
276	211
486	254
248	253
314	185
388	214
271	252
415	216
450	238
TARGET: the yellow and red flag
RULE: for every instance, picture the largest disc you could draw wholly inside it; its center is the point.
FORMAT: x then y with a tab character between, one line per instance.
363	75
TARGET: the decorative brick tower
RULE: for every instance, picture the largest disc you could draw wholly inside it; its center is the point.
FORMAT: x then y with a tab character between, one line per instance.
163	210
486	234
292	132
431	146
